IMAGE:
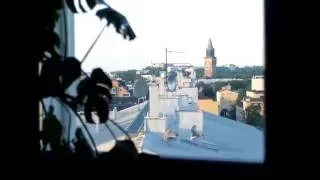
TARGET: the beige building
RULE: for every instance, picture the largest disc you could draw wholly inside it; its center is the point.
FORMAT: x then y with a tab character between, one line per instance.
257	83
118	90
208	105
254	101
227	95
226	98
253	97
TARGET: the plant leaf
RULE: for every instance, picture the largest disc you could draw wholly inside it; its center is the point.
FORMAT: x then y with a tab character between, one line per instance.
71	5
102	108
99	76
98	104
88	108
118	20
50	39
49	78
123	150
55	4
82	147
104	91
52	131
84	89
91	3
81	7
90	95
70	71
55	15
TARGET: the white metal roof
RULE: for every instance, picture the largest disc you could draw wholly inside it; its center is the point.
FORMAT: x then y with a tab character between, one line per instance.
223	139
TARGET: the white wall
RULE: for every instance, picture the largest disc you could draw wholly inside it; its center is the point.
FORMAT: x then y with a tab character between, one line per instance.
257	84
240	114
162	87
224	105
254	94
187	120
218	96
156	125
168	105
191	92
154	101
147	77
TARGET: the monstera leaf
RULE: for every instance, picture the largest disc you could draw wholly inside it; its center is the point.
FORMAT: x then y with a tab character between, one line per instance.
100	77
70	71
49	78
92	93
52	130
123	150
71	4
118	20
57	75
82	147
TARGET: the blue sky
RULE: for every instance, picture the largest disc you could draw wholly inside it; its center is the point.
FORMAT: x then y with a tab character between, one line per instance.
236	28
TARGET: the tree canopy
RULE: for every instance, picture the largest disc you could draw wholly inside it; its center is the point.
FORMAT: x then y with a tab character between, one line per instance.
129	75
253	115
238	73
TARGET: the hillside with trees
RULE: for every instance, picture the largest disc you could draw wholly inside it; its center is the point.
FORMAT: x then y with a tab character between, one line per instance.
209	90
132	74
128	76
238	73
222	72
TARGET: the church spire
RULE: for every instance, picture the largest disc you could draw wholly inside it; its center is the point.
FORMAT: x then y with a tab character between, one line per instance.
210	50
210	44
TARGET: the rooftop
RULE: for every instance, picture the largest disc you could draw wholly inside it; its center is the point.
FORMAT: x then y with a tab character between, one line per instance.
254	99
256	91
224	139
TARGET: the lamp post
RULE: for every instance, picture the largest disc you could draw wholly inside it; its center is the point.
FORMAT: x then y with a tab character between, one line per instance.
169	51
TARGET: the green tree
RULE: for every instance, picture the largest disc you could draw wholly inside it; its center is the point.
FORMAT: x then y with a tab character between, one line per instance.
153	70
253	115
129	75
244	84
241	95
209	91
232	112
199	73
242	73
206	90
218	85
200	84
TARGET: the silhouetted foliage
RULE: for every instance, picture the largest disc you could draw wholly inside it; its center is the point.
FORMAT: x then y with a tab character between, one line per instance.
206	90
58	72
241	95
253	115
118	20
94	94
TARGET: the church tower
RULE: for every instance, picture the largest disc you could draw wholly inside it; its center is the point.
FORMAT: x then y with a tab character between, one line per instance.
210	62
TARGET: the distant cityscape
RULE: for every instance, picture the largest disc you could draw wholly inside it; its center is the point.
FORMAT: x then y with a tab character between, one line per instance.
188	110
229	91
